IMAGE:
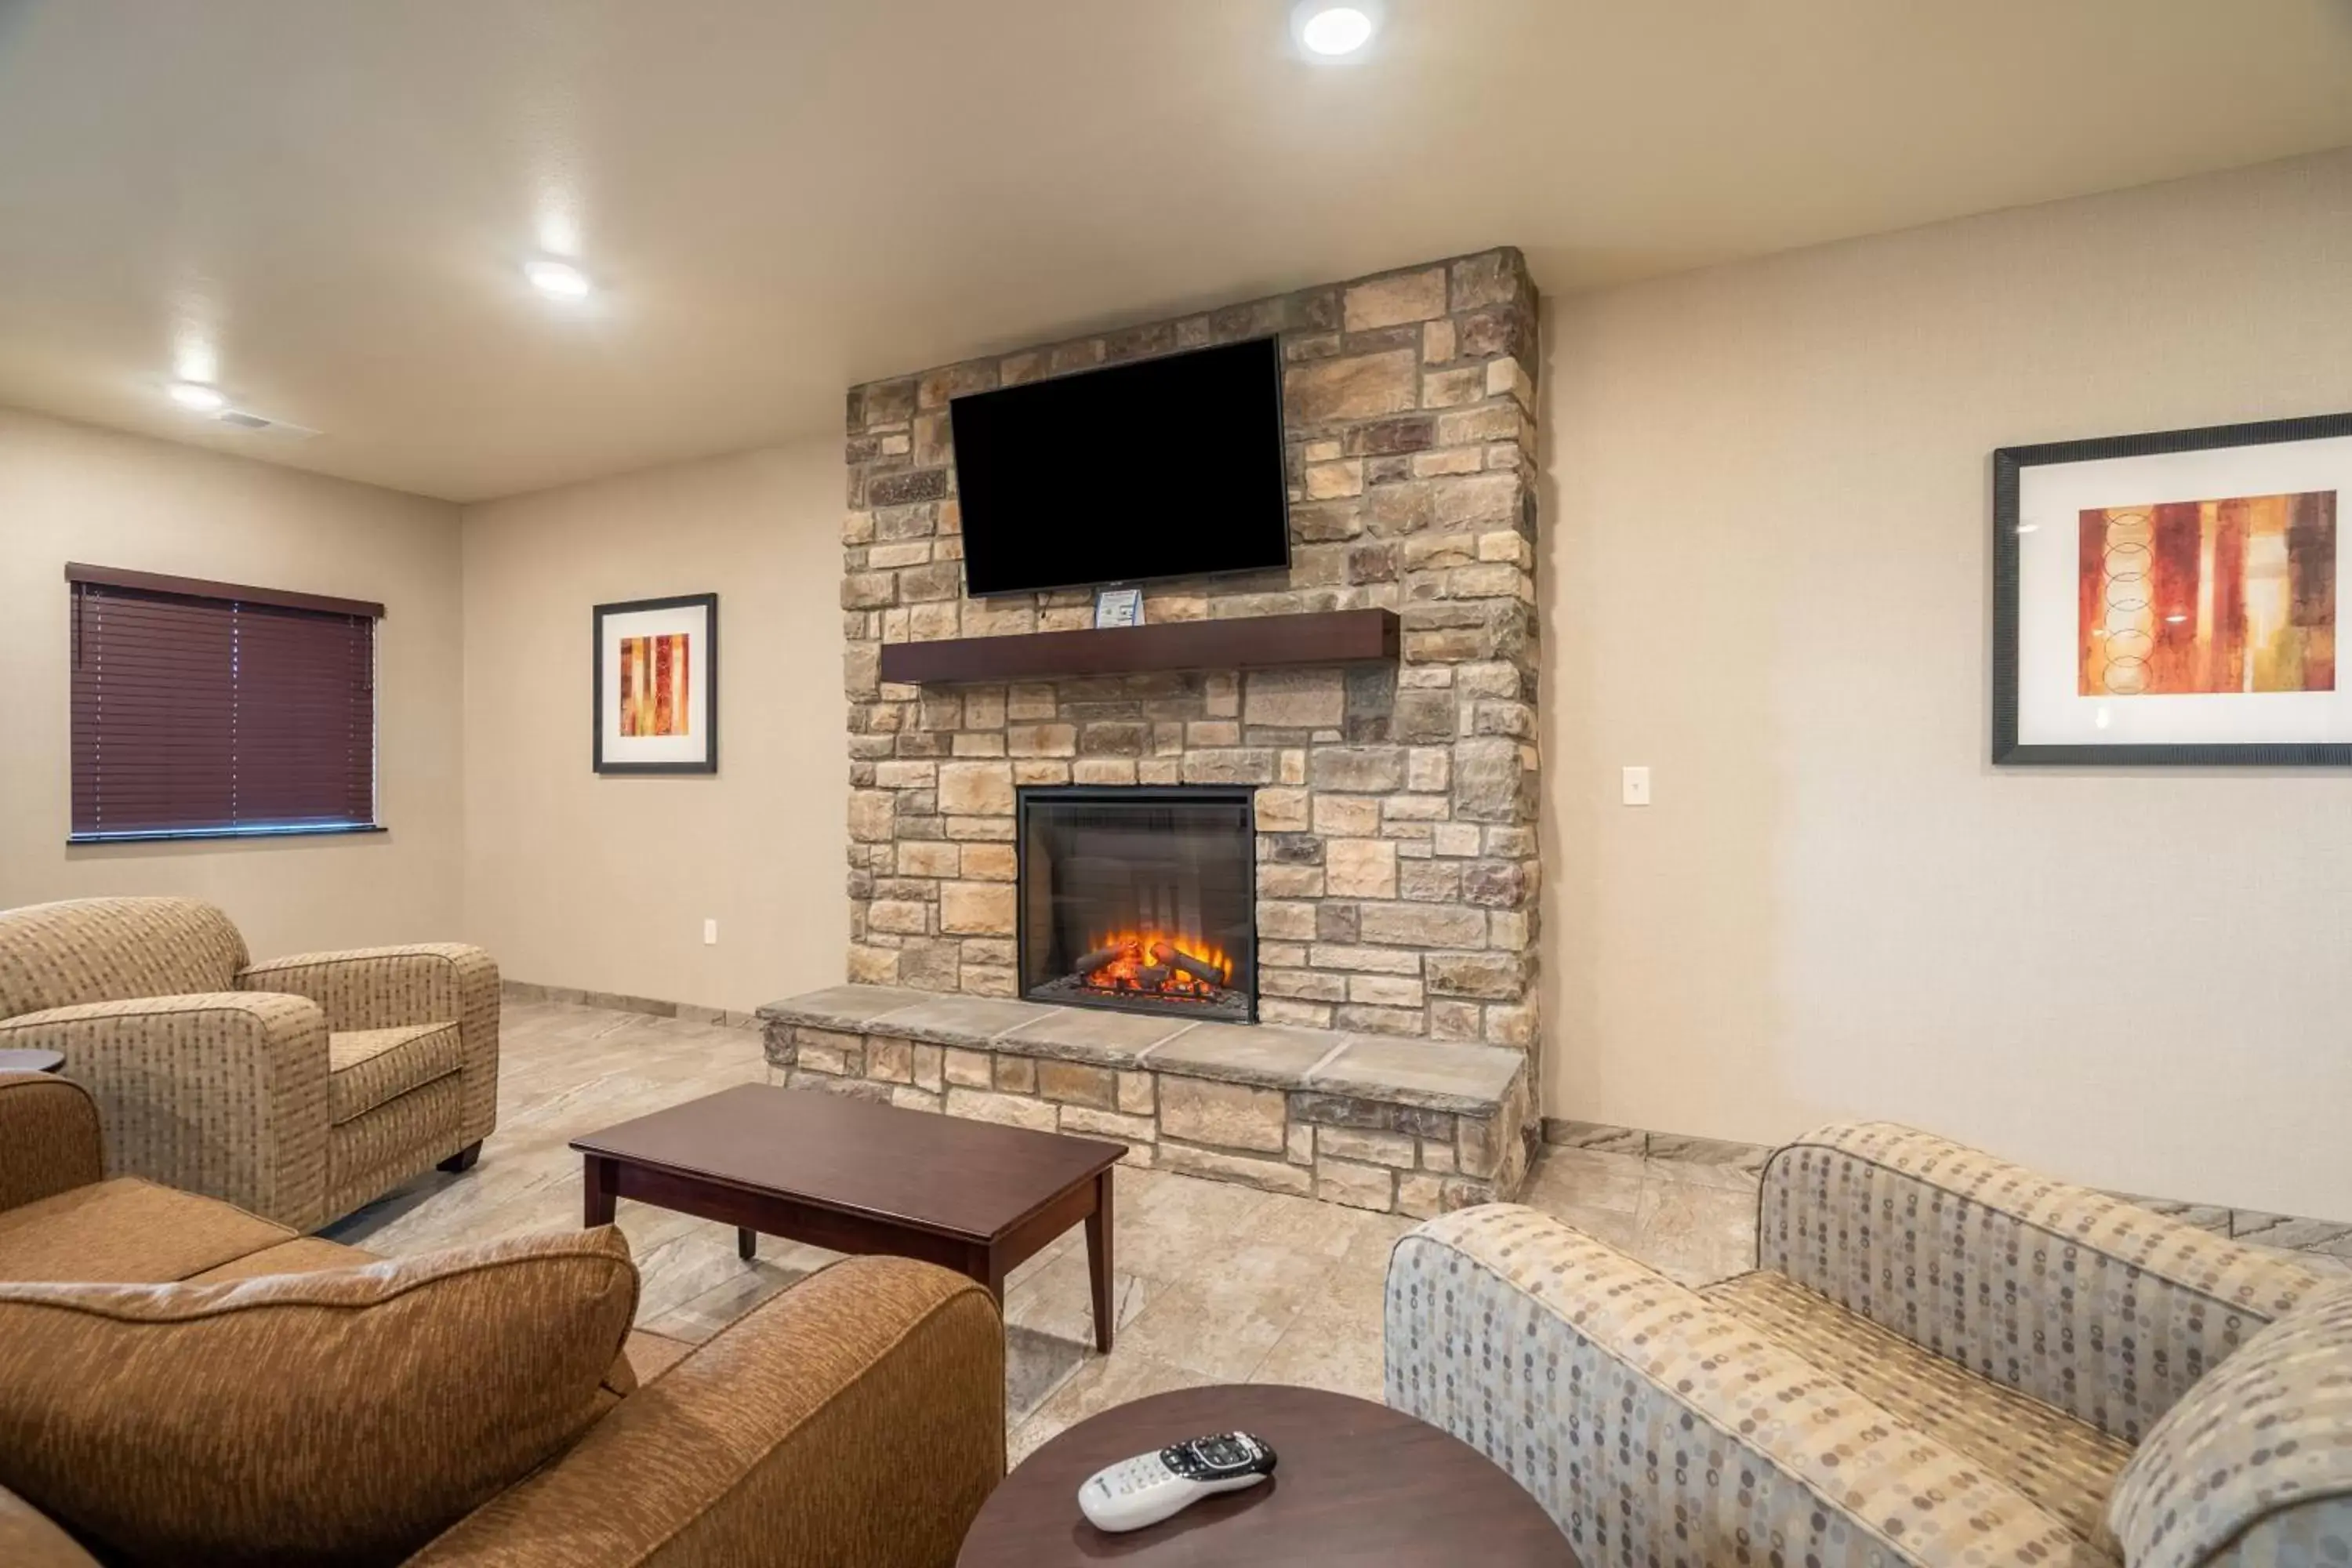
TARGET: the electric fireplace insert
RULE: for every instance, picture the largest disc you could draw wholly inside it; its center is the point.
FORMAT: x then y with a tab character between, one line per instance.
1141	897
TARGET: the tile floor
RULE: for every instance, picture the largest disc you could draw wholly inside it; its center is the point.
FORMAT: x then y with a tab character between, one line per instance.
1215	1282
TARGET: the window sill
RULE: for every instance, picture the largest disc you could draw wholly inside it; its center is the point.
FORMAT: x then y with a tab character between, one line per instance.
160	835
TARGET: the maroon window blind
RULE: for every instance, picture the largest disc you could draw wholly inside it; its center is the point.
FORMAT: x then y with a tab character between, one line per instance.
206	707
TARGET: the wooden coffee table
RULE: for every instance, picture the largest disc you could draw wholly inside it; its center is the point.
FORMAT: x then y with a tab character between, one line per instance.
855	1177
1354	1483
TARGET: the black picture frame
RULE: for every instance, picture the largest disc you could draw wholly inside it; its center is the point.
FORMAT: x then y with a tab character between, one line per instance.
708	763
2009	465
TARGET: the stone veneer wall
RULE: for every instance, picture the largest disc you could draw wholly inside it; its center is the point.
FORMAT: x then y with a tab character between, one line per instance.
1400	1126
1397	852
1366	1152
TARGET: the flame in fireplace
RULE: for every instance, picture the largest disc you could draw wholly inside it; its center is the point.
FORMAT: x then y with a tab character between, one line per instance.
1143	965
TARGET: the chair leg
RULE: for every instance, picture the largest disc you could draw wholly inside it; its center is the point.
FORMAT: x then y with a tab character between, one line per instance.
463	1160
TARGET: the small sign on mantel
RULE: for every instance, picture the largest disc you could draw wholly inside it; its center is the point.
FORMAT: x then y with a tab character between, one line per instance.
1118	607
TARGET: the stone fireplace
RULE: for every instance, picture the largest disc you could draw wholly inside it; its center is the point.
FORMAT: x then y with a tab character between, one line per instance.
1141	898
1394	853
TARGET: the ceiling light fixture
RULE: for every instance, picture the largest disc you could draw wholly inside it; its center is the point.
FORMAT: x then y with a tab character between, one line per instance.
195	395
1333	31
557	280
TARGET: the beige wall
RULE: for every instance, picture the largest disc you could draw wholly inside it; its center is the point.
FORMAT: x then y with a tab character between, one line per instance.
1767	581
71	493
1770	581
604	883
569	878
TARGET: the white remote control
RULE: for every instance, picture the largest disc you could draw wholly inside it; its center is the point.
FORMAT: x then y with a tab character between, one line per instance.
1150	1487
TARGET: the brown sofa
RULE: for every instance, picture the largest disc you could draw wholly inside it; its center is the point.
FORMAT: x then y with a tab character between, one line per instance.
856	1419
299	1088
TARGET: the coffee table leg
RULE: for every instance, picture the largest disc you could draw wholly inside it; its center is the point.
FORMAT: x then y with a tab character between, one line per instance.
1099	1231
597	1181
746	1244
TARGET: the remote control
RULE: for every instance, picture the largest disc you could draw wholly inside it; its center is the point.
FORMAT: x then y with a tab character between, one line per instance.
1150	1487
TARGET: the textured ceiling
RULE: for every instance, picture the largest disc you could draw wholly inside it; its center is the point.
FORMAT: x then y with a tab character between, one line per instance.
328	200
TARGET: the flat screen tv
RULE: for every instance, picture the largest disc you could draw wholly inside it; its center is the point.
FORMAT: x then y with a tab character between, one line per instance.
1165	467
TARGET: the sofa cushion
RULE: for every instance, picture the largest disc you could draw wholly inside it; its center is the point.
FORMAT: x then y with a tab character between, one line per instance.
651	1354
2065	1465
128	1229
346	1415
368	1067
644	1357
2259	1452
303	1254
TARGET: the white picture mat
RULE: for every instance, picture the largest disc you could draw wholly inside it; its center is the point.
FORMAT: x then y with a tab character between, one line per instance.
694	746
2049	501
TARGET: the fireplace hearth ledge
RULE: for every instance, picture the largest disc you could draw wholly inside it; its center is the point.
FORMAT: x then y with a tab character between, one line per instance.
1397	1124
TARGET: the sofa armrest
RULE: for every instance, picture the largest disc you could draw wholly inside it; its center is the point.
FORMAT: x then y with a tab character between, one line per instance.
2105	1310
223	1093
49	1140
858	1417
422	983
2254	1466
1650	1423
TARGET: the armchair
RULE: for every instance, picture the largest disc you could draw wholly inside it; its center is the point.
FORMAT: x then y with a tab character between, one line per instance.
1940	1359
299	1088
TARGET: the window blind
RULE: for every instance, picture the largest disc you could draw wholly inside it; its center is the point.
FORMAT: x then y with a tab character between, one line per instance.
206	707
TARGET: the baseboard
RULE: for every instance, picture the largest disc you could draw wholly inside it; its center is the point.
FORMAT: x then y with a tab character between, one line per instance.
1573	1134
614	1001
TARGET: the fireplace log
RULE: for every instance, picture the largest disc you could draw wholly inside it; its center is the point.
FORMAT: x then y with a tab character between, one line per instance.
1103	958
1151	976
1206	973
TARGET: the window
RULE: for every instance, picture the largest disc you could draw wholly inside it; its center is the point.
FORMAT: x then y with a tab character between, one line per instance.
204	708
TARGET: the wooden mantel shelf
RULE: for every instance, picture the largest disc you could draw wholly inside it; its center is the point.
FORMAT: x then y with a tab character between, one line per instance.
1253	642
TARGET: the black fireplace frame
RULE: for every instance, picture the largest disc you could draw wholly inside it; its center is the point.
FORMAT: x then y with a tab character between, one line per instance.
1027	796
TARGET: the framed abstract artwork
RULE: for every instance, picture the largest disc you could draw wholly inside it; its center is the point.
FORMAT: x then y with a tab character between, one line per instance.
2172	598
657	686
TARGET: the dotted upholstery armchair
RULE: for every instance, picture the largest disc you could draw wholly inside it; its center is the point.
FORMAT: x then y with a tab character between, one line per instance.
1940	1358
299	1088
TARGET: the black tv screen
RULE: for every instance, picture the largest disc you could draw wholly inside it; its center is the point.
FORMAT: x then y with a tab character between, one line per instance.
1165	467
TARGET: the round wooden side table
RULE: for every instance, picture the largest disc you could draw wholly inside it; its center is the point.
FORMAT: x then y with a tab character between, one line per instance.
31	1061
1354	1483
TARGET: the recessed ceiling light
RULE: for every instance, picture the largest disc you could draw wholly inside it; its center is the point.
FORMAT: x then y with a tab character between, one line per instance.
196	395
1334	30
557	280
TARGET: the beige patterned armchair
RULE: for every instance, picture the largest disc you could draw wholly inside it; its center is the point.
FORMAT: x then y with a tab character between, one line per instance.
1939	1359
300	1089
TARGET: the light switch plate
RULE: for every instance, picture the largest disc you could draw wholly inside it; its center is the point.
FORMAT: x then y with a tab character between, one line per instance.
1637	787
710	933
